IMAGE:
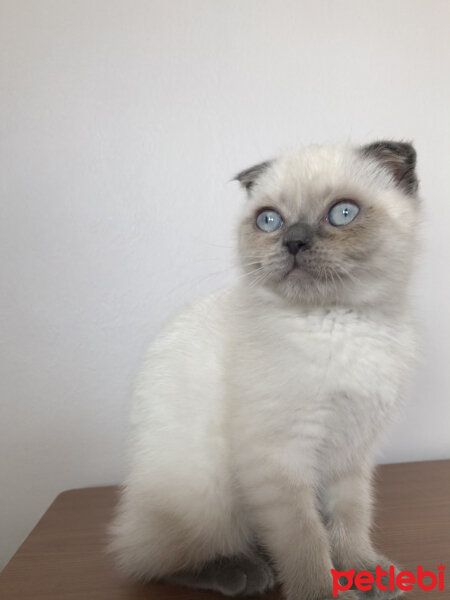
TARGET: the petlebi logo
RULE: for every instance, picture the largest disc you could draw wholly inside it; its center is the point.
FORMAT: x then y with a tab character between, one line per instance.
388	580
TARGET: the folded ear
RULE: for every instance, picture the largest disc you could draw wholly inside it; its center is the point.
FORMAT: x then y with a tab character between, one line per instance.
248	177
399	158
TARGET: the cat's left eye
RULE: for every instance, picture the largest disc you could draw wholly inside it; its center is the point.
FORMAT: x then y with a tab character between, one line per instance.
342	213
269	221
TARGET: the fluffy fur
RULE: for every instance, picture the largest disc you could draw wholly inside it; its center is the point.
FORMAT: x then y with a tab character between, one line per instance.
258	408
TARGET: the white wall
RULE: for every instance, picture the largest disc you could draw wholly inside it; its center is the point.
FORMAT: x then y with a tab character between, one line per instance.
121	125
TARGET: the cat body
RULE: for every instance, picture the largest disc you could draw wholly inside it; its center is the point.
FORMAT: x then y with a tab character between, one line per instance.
258	408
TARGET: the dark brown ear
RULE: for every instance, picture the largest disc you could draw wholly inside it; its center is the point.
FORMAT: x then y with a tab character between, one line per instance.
248	177
399	158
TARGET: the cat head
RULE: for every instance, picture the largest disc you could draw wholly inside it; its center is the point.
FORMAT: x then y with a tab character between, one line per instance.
332	225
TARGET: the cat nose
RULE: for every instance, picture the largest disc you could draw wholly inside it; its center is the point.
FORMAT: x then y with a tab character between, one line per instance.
294	246
297	237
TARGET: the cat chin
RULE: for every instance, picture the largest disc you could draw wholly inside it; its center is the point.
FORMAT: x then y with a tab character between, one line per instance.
302	276
298	273
300	287
300	282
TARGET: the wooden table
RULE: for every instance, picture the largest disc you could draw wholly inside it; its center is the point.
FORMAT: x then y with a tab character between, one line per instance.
63	558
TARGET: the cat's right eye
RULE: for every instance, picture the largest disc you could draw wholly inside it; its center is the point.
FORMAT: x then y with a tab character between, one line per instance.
269	221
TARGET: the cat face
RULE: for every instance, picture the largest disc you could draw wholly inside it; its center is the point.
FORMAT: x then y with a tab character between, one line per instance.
331	225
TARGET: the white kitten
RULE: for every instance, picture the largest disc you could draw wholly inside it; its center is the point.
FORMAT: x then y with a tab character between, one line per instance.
258	408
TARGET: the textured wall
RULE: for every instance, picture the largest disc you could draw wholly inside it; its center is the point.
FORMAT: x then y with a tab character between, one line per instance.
121	123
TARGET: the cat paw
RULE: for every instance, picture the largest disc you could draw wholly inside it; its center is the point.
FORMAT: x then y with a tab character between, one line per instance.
342	595
231	576
230	581
259	576
376	593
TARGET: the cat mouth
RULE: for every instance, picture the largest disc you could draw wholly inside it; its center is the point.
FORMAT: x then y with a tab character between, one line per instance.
303	272
297	270
323	275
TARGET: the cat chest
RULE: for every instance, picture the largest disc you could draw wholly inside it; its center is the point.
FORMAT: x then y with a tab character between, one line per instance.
317	391
320	367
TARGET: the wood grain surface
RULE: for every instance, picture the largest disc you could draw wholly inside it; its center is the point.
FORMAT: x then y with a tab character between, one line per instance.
64	559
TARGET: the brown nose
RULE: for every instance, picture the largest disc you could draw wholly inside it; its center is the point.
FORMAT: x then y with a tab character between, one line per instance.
298	237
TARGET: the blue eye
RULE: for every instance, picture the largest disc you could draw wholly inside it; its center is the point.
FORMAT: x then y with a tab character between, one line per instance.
342	213
269	221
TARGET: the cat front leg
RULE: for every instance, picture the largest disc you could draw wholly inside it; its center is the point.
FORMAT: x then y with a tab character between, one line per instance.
346	505
291	530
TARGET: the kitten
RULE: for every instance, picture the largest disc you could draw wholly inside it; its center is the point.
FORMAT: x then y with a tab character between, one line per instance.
258	409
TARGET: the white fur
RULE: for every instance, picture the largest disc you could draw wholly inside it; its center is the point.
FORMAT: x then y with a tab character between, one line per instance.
243	398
